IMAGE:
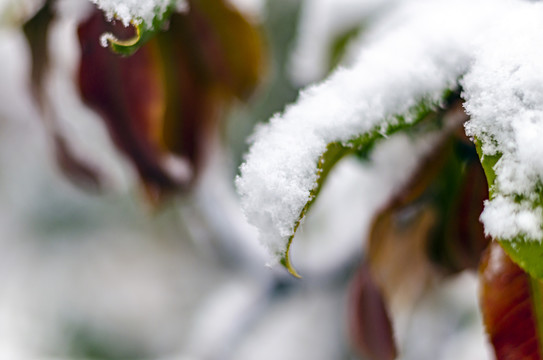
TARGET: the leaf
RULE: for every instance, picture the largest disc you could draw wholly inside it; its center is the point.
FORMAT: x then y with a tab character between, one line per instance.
144	31
210	56
128	93
506	123
527	254
163	103
422	114
369	322
426	226
398	241
512	306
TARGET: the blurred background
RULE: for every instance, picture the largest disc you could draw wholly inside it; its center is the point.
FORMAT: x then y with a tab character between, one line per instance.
88	274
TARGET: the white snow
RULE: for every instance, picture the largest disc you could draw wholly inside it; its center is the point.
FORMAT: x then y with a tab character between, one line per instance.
398	69
504	92
137	11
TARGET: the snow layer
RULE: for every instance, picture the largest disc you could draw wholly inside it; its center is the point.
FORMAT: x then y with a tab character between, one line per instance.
504	92
423	54
137	11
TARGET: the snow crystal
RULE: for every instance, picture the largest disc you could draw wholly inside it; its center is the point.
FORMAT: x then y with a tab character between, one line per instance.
137	11
504	92
401	67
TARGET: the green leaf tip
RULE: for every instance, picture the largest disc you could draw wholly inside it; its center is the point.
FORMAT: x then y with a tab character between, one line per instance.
123	47
287	263
145	31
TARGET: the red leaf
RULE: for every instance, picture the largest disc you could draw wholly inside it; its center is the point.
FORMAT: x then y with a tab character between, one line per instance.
511	305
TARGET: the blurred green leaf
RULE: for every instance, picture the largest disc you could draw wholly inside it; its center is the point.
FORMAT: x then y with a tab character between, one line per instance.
340	45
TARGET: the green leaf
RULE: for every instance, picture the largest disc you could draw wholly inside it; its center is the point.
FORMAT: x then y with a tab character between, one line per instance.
527	254
416	119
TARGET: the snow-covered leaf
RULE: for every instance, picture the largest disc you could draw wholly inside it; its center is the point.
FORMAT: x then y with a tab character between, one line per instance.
503	92
409	58
362	144
525	252
146	16
401	68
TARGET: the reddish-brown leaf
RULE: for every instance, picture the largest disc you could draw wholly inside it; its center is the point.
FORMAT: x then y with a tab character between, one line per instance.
128	93
369	322
511	306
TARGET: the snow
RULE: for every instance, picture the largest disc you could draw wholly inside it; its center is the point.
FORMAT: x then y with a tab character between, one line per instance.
504	92
137	11
397	70
414	54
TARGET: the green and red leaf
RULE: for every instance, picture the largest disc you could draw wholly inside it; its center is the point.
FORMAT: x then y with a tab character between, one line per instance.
162	104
